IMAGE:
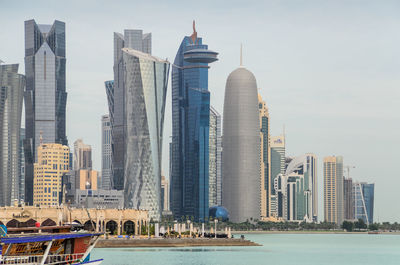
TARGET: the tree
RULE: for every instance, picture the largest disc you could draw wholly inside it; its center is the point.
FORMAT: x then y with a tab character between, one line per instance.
360	224
348	226
373	227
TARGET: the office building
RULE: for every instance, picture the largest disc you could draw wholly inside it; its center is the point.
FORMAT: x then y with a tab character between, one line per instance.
241	142
164	194
21	180
103	199
53	162
215	159
116	95
348	199
265	158
45	95
145	81
333	189
12	87
190	129
278	166
106	153
85	176
363	201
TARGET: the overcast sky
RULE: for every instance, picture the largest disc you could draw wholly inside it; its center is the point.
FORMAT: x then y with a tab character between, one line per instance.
328	70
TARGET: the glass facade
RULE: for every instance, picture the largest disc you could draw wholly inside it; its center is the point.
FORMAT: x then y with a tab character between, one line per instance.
190	129
106	152
12	87
364	202
215	156
45	95
145	81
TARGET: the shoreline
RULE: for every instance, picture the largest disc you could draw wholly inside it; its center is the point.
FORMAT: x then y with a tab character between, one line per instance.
174	242
311	232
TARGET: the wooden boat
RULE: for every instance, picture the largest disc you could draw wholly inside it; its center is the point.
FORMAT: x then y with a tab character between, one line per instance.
47	245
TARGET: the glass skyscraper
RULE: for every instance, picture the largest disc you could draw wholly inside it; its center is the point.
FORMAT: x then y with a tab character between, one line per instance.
278	156
190	129
106	152
215	162
12	87
364	201
145	82
45	95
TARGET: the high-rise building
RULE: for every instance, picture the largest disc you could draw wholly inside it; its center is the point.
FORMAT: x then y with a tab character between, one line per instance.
106	152
295	190
333	189
241	142
53	162
164	193
348	199
12	87
85	176
45	95
265	158
277	149
190	129
363	201
21	181
116	92
145	82
215	156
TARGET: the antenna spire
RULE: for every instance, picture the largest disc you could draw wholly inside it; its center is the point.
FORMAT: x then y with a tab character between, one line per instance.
241	54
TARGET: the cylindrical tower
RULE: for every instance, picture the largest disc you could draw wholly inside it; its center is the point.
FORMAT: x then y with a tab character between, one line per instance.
241	147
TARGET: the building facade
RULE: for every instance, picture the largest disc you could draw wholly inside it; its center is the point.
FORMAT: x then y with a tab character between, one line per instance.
363	194
241	142
164	194
278	156
145	82
103	199
215	162
333	189
12	87
348	199
116	92
53	163
106	153
45	95
85	176
265	158
21	180
190	129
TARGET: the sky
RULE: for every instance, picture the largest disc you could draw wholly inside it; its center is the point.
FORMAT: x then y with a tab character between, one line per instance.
328	70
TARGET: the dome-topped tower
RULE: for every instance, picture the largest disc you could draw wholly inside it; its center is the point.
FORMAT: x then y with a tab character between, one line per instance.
241	143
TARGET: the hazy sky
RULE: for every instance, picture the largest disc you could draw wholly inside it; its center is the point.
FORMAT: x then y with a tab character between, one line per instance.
329	70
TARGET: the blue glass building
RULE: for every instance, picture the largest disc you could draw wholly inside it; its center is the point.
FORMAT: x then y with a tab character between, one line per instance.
368	192
190	129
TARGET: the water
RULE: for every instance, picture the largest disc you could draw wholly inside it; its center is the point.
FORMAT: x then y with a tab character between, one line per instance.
277	249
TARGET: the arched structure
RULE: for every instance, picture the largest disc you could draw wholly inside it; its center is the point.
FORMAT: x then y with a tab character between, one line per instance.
129	227
48	222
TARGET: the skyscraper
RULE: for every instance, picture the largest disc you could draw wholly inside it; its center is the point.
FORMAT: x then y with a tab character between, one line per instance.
265	158
333	189
145	86
278	156
53	161
85	176
21	180
241	142
116	91
12	87
348	199
106	152
363	201
215	149
190	129
45	96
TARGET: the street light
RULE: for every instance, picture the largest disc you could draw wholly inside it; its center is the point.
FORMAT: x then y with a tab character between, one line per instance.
215	222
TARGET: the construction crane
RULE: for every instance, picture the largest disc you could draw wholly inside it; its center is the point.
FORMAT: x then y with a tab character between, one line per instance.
347	167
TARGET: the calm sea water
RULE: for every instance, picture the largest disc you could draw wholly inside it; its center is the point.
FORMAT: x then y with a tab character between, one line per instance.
277	249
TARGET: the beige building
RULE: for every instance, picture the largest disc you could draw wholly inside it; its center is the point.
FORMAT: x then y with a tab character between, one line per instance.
265	159
115	221
164	193
85	176
86	179
333	189
53	161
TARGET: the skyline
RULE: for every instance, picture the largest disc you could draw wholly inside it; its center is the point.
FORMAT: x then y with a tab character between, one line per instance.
376	115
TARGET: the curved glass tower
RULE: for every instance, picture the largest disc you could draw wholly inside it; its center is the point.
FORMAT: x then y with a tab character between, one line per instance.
241	142
45	96
190	129
145	80
12	87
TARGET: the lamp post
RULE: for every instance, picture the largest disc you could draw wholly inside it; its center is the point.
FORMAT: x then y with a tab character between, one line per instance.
190	231
215	222
148	228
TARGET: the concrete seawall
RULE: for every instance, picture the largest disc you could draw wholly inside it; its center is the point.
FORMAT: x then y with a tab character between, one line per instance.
173	242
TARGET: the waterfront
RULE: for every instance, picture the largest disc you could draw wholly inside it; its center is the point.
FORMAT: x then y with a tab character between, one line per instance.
282	249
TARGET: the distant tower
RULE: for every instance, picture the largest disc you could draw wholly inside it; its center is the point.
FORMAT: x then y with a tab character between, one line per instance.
190	129
265	158
278	156
45	95
106	152
11	95
333	189
215	150
241	142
